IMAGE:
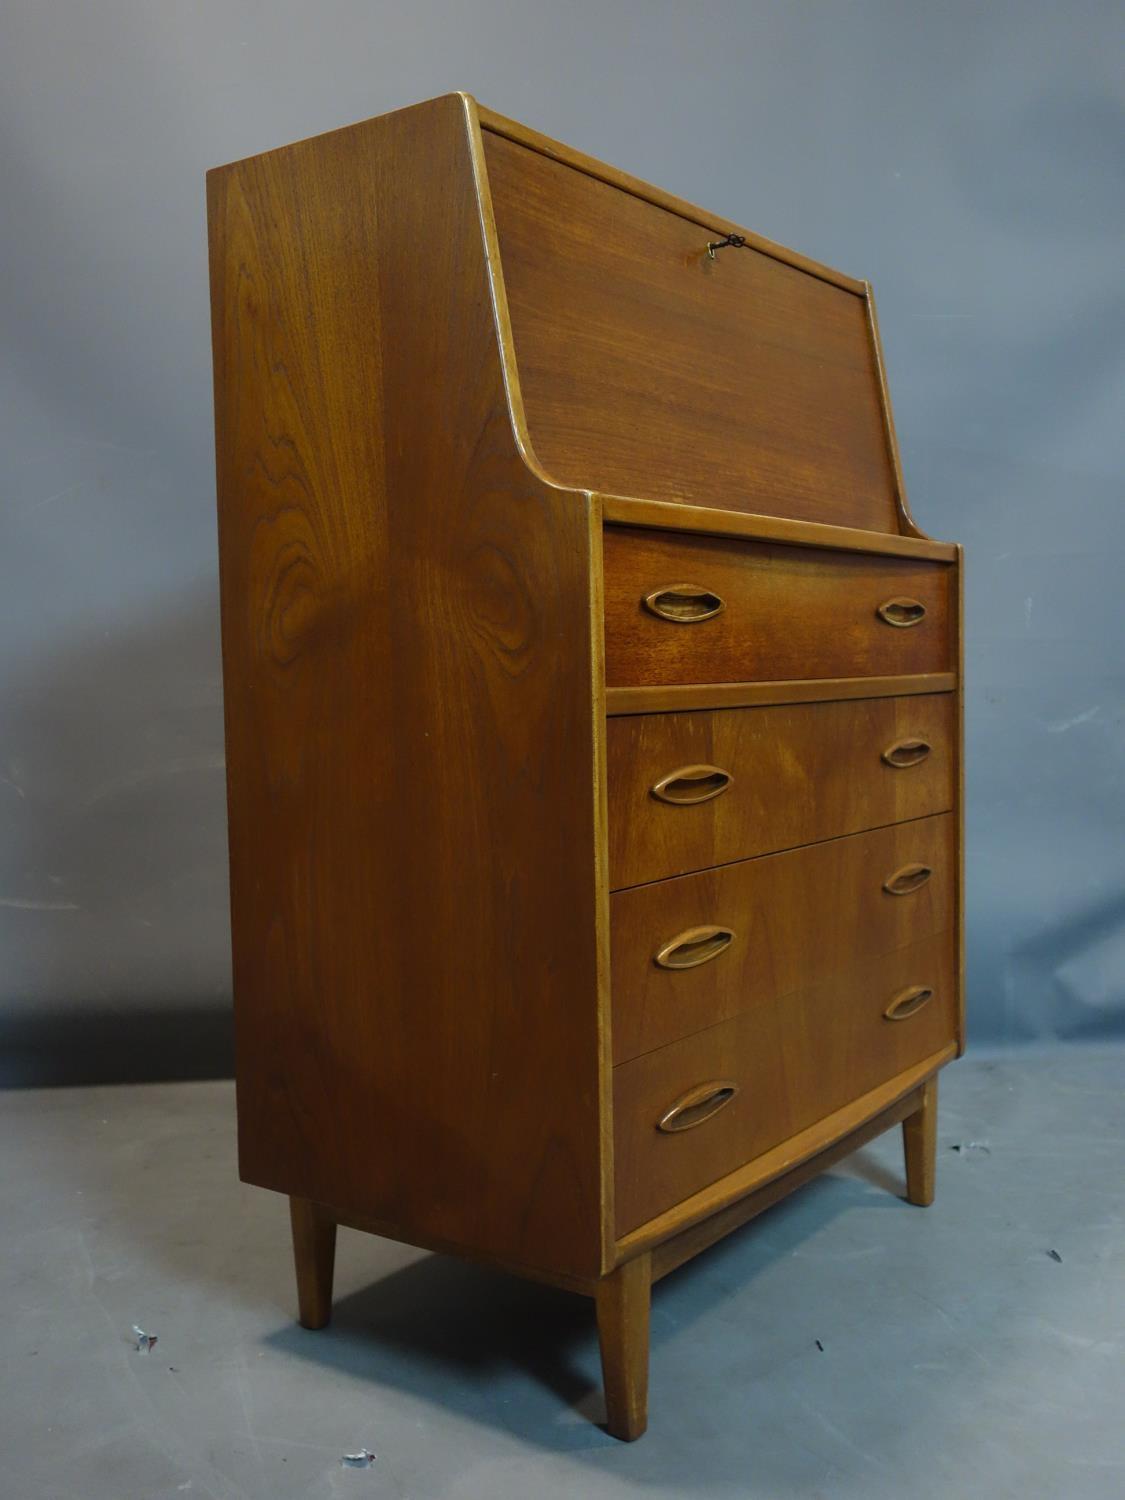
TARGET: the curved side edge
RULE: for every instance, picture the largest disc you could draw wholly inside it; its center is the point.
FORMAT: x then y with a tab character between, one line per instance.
499	296
907	523
509	368
959	805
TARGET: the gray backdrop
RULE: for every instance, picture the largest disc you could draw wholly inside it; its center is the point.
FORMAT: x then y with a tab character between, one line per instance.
965	157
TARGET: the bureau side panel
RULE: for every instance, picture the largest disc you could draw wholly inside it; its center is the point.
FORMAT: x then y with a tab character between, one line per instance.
410	738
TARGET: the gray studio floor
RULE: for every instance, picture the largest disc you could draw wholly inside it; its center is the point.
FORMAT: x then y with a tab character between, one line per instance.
959	1358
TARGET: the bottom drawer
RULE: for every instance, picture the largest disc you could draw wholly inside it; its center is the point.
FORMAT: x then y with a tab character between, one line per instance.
699	1108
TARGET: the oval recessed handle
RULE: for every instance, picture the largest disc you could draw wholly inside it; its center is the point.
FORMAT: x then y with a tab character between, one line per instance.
698	945
908	879
696	1106
902	612
908	1003
691	784
684	603
905	753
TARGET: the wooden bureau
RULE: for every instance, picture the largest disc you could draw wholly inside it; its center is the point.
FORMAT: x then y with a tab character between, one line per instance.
593	712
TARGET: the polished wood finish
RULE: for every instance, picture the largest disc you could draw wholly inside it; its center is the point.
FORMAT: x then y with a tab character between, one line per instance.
772	756
796	919
791	612
792	1060
314	1256
514	130
919	1140
662	515
405	624
816	1144
906	522
672	1253
553	550
672	698
615	303
623	1300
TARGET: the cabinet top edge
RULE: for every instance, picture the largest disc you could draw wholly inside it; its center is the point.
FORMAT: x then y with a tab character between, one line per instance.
524	135
456	99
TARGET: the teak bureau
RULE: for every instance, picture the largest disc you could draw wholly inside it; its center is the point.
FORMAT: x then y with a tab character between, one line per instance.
593	714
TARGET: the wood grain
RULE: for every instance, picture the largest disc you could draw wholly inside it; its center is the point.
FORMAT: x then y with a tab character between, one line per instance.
795	1059
676	697
673	1252
524	135
649	369
797	918
662	515
405	626
452	462
791	612
623	1300
314	1258
780	1161
800	772
919	1141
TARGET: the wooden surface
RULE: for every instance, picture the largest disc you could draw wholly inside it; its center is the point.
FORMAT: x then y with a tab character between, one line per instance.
623	1300
663	515
799	772
919	1140
649	369
676	697
524	135
405	627
679	1248
779	1162
795	1059
314	1259
791	612
907	524
425	796
959	804
797	919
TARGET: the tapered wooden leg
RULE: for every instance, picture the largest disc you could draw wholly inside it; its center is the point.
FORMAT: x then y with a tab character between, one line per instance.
314	1253
623	1300
919	1141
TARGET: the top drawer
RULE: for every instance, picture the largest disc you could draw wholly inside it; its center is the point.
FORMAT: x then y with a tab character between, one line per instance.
685	609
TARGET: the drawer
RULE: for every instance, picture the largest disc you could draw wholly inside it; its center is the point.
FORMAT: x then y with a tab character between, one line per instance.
687	609
689	790
691	952
689	1113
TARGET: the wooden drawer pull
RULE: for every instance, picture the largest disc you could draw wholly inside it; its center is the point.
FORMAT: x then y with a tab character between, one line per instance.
698	945
696	1106
692	784
902	612
905	753
684	603
908	879
908	1003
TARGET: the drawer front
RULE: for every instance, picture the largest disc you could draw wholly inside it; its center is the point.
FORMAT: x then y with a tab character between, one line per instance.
690	790
691	952
789	1063
685	609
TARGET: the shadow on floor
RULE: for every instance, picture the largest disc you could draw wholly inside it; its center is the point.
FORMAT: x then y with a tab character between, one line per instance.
523	1357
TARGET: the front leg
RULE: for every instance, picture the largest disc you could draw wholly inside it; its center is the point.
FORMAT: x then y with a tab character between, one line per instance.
314	1254
623	1299
919	1141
